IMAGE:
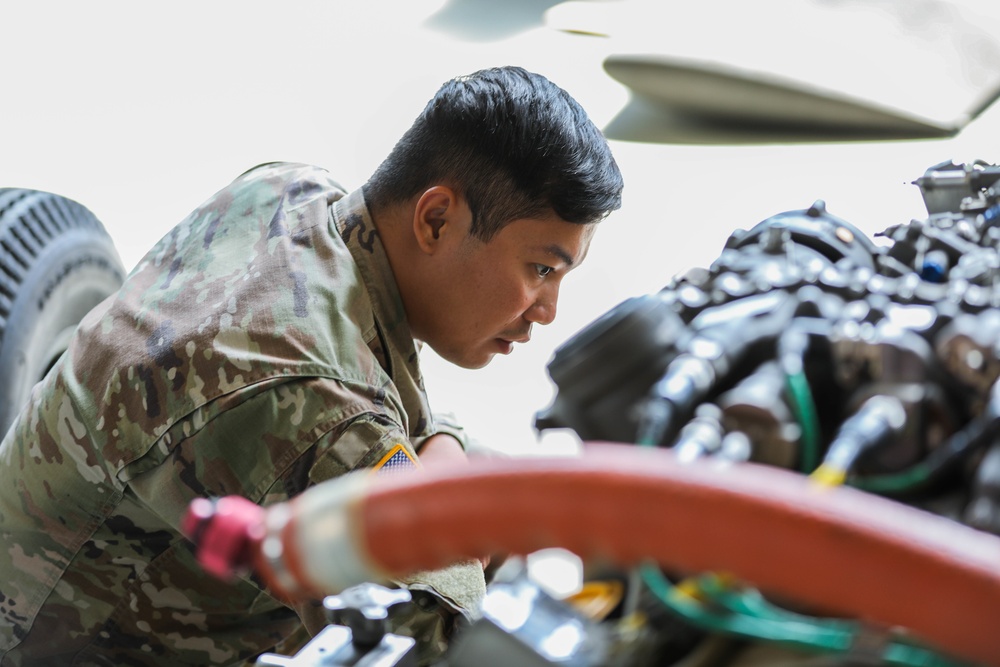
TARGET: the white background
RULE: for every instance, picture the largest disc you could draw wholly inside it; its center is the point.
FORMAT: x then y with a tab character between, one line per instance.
142	110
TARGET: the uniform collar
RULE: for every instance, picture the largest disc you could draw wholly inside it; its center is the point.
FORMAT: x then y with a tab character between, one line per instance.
353	223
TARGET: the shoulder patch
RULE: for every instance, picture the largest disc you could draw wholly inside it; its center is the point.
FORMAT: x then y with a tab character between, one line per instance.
397	460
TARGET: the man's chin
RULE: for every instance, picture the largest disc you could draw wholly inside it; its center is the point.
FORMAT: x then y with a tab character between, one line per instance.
470	360
477	362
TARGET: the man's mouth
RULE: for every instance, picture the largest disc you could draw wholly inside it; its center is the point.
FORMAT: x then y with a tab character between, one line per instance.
506	345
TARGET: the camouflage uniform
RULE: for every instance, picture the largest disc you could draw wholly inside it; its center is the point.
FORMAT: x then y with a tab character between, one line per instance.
259	348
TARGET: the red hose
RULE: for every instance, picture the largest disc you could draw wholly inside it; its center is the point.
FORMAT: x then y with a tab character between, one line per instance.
841	550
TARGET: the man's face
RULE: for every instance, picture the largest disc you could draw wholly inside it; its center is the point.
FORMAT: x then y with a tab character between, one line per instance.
490	294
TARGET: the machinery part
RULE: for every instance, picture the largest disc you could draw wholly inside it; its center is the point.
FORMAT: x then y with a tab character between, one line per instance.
725	337
56	263
946	186
522	625
813	231
756	408
968	349
702	436
629	344
333	647
770	528
983	510
976	434
357	636
365	610
877	422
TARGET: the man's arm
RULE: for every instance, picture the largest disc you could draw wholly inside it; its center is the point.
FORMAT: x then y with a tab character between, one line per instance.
441	449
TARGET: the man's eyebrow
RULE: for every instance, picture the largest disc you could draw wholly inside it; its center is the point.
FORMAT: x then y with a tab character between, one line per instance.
557	250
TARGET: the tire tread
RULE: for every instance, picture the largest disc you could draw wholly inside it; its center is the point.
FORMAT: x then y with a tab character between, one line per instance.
29	221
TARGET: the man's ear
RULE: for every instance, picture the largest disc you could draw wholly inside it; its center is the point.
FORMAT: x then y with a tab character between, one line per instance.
439	214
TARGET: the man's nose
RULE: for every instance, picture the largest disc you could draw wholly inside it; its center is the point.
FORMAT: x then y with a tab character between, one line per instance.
543	310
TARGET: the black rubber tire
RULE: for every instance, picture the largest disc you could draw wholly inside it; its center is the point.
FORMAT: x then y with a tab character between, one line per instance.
57	262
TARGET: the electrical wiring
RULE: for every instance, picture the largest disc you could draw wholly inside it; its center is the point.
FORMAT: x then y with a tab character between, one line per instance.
978	433
899	651
745	613
895	483
709	614
804	409
875	424
711	602
792	346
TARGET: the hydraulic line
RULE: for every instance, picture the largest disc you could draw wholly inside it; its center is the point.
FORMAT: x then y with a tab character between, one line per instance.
711	603
804	409
709	357
979	432
792	347
876	423
837	549
745	613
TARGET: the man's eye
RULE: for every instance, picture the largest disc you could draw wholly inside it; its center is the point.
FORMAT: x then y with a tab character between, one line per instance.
543	270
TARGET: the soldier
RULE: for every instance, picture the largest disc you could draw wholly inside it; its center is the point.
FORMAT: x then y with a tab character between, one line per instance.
270	342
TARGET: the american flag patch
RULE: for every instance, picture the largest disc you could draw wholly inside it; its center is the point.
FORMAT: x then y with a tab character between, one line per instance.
396	461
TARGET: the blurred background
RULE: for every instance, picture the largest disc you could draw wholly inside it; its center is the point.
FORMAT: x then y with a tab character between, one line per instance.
719	114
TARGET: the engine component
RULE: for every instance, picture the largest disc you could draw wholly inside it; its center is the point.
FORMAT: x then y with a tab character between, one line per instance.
756	408
983	511
607	368
357	634
800	320
365	610
522	625
881	373
880	419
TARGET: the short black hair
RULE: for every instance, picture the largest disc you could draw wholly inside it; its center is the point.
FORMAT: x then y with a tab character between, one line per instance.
514	144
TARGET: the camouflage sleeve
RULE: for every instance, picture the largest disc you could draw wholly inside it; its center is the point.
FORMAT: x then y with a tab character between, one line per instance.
269	448
445	422
443	600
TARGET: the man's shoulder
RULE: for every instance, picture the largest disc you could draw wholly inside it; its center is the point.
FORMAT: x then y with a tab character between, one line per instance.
291	172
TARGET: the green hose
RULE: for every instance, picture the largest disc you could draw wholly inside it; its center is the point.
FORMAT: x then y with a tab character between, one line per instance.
804	409
745	613
893	483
